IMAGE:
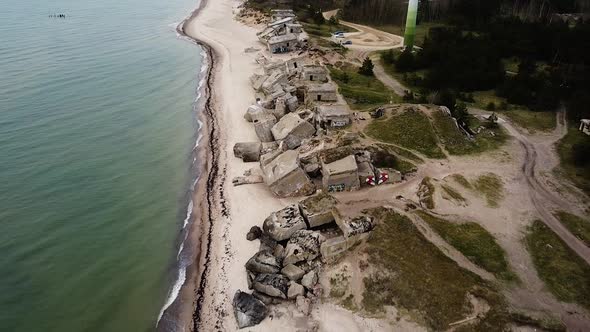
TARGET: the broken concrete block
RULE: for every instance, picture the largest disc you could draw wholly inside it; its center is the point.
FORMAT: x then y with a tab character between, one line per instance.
293	272
341	175
263	127
295	290
351	227
292	124
253	111
248	310
333	247
285	177
275	285
250	179
254	233
317	210
266	158
292	142
304	245
263	262
310	279
248	151
282	224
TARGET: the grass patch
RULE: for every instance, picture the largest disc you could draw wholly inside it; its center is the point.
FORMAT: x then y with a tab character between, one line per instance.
456	143
473	241
454	194
349	303
407	79
578	226
566	275
360	91
520	115
339	284
460	179
402	153
383	158
415	275
491	186
411	130
532	121
580	176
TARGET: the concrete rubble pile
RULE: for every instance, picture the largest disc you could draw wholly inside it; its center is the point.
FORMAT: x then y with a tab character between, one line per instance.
284	33
297	105
294	243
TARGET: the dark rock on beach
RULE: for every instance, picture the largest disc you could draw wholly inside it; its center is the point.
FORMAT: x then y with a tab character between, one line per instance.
249	311
263	262
254	233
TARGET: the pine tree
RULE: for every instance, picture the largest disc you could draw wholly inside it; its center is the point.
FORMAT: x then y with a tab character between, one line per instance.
367	67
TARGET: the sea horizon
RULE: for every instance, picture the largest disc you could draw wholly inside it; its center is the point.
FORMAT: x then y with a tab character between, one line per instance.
98	137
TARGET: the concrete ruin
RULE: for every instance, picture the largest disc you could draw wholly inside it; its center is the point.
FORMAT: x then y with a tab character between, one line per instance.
285	177
283	43
282	224
284	33
341	175
292	125
333	116
326	92
314	73
318	210
263	127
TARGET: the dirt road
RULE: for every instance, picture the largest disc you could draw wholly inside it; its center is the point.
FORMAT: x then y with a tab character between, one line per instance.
544	199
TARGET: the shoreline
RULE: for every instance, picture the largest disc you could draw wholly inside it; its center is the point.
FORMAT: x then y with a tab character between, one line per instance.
184	311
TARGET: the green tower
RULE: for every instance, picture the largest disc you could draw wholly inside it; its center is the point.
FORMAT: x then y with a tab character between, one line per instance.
411	24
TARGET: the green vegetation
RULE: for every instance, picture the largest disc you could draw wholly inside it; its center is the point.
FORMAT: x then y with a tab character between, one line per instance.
339	284
411	129
348	303
384	158
578	226
460	179
473	241
566	275
453	194
456	143
360	91
402	153
426	193
573	149
415	275
491	186
542	121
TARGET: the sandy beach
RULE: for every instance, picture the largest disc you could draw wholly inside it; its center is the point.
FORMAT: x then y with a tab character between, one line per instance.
228	212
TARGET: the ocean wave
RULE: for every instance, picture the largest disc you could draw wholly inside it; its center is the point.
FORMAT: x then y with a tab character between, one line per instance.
189	212
174	291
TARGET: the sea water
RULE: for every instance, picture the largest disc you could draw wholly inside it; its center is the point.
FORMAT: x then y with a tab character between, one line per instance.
97	131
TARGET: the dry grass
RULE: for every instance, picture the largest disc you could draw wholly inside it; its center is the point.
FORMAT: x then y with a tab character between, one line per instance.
491	187
415	275
411	129
473	241
566	274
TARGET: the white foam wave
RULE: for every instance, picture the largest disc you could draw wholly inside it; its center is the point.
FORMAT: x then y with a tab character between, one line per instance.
189	211
173	292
